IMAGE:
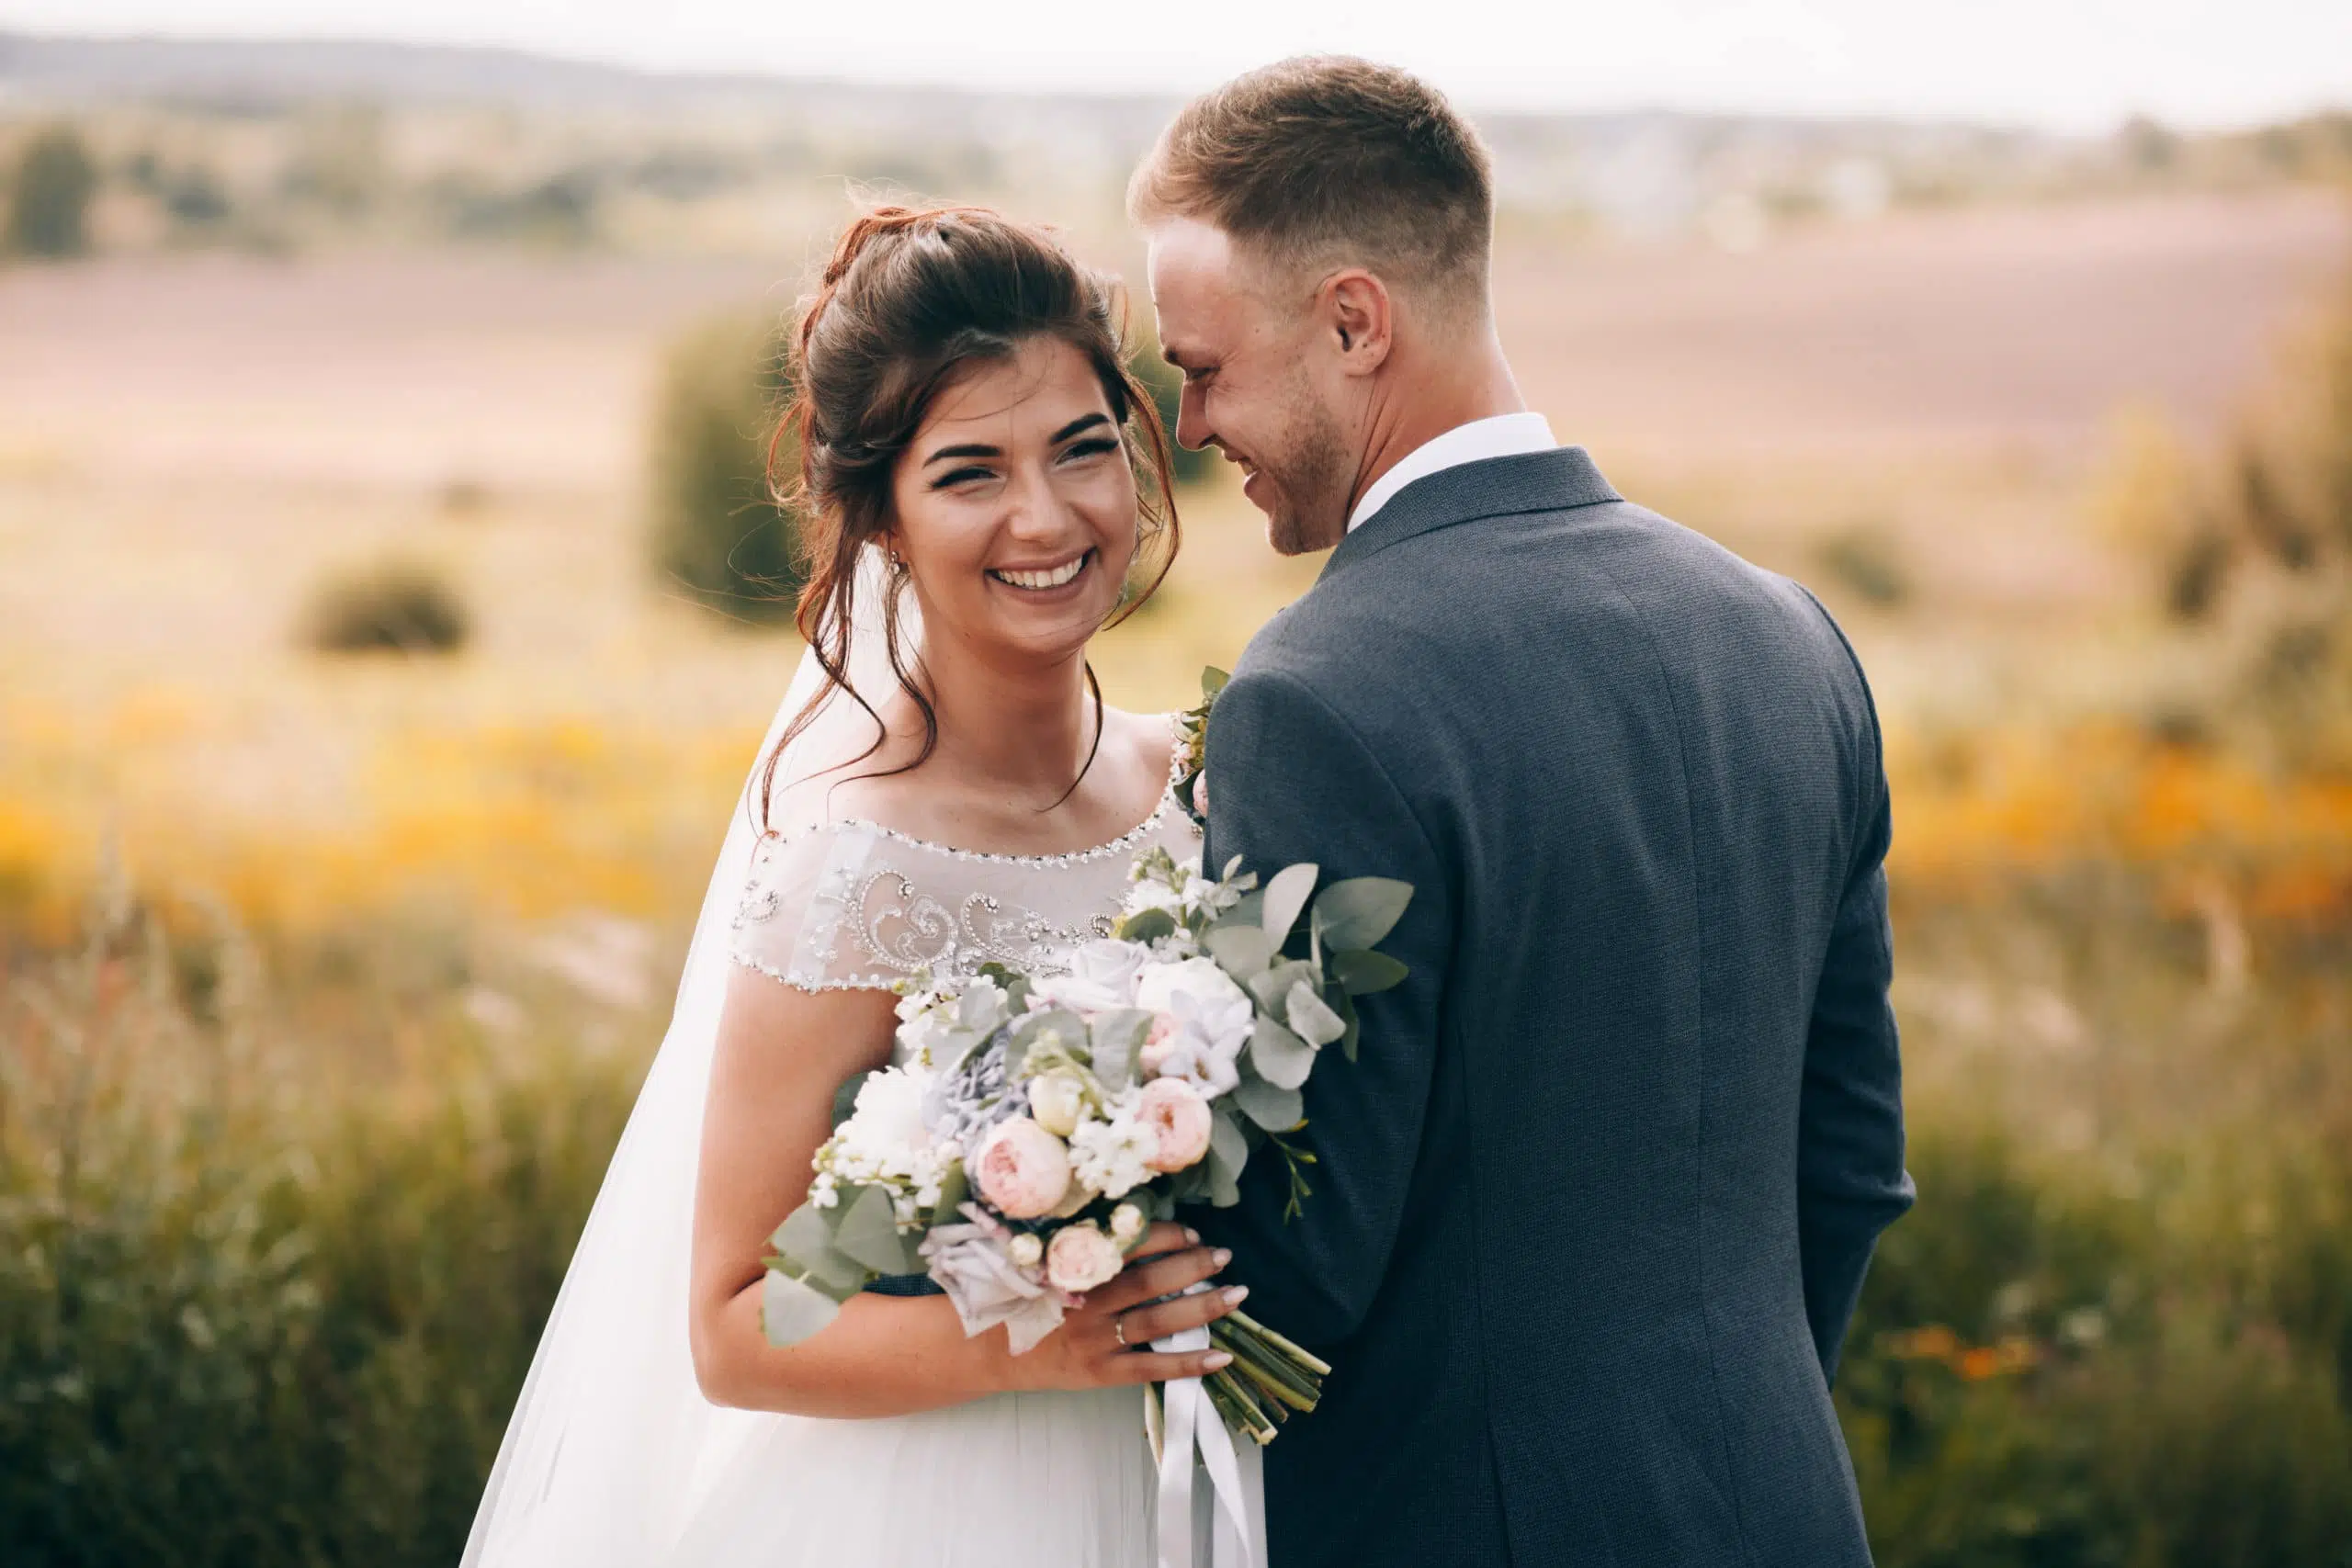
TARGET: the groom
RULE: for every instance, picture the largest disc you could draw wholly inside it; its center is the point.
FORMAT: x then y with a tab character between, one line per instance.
1593	1208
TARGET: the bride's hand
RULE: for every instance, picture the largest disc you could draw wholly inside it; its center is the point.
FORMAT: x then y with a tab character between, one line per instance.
1105	1343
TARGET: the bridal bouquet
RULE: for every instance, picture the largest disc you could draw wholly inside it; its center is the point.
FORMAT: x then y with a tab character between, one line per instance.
1044	1120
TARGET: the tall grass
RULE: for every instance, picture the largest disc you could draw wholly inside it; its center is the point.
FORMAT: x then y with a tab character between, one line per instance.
281	1222
267	1299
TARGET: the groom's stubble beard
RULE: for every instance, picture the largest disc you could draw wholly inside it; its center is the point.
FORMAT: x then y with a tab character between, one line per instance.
1311	479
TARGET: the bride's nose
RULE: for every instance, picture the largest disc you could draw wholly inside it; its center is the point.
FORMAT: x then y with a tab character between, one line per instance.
1036	513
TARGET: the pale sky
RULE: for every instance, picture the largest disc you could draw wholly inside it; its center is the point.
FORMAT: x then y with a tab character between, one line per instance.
2067	64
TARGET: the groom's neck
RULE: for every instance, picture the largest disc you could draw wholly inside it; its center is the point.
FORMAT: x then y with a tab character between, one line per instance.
1429	388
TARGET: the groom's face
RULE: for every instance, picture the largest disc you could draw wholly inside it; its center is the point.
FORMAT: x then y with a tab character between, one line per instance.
1249	352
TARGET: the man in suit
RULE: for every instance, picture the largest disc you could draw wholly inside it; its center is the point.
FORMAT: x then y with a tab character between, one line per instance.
1592	1209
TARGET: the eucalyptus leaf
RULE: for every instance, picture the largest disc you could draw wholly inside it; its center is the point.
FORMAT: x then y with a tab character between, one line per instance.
1118	1033
845	1096
1249	910
1360	971
1213	680
1286	895
1191	1184
1345	1006
1280	1058
791	1310
1311	1018
1242	951
1224	1190
1228	1146
869	1233
1148	925
1059	1021
805	1241
806	1233
1361	910
954	1190
1275	1109
1272	987
1220	1173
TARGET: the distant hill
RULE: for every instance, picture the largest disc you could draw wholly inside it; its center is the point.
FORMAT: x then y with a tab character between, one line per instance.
1643	170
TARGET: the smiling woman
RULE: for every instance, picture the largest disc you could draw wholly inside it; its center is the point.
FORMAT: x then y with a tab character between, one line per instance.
1042	485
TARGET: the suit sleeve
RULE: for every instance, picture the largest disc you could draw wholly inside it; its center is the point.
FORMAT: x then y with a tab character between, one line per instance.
1851	1181
1290	781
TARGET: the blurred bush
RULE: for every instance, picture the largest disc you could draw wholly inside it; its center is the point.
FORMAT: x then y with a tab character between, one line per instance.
265	1300
1867	562
2041	1373
718	533
50	201
2252	548
392	607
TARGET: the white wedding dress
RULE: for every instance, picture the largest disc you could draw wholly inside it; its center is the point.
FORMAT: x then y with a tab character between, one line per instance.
614	1459
1024	1479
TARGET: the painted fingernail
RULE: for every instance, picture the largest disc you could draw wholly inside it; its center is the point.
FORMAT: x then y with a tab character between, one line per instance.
1215	1360
1236	1295
1221	1257
1191	1238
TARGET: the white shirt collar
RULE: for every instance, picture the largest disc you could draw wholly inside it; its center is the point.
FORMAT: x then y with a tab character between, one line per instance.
1502	435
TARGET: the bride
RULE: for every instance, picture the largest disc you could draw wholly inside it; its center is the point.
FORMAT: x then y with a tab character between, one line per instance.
943	786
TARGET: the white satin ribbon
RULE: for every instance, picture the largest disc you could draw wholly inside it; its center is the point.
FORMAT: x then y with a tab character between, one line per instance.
1236	1525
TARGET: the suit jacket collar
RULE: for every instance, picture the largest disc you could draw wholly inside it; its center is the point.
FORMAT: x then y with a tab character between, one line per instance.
1556	481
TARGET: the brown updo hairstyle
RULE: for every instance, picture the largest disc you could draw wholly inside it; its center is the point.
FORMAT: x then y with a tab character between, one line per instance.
910	297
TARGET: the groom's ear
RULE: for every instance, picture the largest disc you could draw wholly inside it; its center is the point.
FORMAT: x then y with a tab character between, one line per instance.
1357	312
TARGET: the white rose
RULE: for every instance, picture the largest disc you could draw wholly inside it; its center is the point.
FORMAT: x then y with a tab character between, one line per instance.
1127	1224
1101	975
1025	1249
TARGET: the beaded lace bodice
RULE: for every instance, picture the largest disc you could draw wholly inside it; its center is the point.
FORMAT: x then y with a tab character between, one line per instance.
854	905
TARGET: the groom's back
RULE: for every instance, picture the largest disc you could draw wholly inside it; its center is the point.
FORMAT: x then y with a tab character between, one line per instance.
1648	774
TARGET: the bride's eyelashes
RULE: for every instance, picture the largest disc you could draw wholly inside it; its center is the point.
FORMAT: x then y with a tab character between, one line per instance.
1073	450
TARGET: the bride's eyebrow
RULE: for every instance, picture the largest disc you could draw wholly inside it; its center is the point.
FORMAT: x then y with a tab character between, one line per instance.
980	449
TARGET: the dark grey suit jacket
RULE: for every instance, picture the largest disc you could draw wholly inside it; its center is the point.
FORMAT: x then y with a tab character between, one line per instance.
1593	1209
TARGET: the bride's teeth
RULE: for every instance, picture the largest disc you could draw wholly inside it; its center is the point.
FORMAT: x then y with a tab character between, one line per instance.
1053	579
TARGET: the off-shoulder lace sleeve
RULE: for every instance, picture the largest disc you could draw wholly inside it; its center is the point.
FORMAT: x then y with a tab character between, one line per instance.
795	906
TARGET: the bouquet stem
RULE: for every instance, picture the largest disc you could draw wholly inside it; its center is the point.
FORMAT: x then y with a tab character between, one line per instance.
1243	1321
1230	1395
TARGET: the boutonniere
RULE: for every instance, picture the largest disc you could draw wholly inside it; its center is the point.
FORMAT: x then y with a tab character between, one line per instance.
1192	746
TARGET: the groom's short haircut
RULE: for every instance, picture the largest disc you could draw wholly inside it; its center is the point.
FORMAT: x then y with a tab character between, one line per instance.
1330	161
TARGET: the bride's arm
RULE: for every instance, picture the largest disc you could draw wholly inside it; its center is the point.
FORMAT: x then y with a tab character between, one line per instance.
781	1053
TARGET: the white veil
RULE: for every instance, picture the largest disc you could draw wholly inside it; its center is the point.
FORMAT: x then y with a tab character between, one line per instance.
612	1446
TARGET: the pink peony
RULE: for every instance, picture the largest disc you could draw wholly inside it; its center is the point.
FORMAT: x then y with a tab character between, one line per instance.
1022	1169
1180	1120
1080	1258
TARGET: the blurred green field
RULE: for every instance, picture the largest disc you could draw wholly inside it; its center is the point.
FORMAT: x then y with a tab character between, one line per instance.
328	979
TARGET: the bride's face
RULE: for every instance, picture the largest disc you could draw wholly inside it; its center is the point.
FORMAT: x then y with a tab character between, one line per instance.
1014	506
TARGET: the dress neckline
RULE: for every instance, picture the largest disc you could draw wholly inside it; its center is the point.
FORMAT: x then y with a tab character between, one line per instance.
1125	840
